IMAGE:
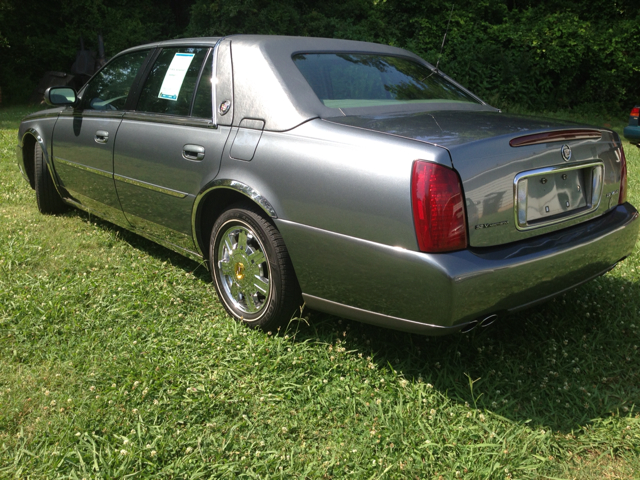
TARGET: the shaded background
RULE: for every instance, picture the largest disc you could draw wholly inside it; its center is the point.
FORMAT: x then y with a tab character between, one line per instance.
538	55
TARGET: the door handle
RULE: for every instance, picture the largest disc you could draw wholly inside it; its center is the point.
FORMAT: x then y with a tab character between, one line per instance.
193	152
102	136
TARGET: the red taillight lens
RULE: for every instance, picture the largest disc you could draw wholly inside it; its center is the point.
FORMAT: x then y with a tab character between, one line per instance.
438	208
623	177
635	112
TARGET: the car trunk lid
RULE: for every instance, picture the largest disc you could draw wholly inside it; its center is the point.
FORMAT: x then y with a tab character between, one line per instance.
517	182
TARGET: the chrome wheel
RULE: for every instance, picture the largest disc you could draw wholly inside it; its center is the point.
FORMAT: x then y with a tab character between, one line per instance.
251	269
245	274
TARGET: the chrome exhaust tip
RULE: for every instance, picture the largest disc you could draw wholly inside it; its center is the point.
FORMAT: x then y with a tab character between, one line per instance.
484	322
469	326
488	321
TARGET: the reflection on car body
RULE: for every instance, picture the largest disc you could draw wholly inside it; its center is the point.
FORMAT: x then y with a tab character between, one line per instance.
350	176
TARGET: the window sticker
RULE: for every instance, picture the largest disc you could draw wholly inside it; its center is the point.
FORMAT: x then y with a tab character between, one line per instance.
175	76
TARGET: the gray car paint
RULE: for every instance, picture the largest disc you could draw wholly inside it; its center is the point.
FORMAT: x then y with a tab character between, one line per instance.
156	185
339	191
416	292
328	177
478	142
224	86
282	97
85	167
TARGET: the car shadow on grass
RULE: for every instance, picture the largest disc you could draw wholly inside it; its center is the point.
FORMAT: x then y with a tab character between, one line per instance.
197	269
558	365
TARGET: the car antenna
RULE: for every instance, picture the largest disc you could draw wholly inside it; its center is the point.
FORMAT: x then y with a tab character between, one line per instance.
444	39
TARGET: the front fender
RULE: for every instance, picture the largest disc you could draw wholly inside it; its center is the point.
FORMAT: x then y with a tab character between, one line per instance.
37	128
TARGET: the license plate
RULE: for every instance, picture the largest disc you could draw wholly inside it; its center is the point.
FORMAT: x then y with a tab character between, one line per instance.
555	194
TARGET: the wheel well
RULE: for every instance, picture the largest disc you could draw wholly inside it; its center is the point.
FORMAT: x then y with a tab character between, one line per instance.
211	207
28	158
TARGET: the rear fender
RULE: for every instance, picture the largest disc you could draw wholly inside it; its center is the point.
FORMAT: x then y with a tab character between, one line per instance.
214	199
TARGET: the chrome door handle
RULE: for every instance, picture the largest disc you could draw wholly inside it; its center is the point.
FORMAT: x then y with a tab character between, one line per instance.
193	152
102	136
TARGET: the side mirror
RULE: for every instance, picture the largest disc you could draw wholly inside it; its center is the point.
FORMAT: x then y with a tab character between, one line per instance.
59	96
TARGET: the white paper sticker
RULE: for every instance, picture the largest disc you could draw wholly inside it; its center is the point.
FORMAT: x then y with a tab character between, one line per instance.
175	76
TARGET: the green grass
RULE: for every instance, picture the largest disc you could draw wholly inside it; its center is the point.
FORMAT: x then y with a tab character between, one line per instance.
116	359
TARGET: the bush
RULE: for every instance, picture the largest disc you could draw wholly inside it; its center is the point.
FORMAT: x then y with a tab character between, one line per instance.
532	54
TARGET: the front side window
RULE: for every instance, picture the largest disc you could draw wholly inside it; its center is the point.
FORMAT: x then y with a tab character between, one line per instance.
109	89
350	80
171	83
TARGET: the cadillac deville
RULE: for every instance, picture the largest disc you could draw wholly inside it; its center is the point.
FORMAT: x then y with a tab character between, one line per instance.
352	177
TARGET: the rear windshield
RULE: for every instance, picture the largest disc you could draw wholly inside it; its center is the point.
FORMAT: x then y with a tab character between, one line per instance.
350	80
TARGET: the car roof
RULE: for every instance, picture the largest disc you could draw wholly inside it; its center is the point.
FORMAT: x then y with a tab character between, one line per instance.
266	83
282	42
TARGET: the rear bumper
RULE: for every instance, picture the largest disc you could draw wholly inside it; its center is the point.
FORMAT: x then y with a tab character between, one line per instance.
519	275
632	134
440	293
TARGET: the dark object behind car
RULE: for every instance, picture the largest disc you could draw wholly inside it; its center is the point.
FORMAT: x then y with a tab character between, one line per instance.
632	131
350	176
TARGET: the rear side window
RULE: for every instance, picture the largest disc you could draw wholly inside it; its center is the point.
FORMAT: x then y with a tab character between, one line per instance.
171	83
202	105
349	80
109	89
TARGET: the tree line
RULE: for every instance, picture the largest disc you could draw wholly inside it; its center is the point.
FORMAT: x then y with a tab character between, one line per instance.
532	54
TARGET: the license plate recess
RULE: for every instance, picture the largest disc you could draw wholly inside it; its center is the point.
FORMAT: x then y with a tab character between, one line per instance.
552	195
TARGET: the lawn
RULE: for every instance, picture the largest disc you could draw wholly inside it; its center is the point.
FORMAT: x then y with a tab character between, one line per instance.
116	359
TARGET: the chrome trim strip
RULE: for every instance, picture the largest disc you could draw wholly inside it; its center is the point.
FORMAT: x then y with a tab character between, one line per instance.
182	121
86	113
520	184
39	116
97	171
214	83
246	190
149	186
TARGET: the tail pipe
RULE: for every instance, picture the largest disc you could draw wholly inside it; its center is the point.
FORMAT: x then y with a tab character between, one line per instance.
483	322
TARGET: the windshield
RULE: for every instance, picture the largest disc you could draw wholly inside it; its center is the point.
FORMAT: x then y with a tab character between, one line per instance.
349	80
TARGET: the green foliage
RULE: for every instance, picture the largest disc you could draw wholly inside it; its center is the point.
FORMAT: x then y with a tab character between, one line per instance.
333	19
44	36
4	5
539	55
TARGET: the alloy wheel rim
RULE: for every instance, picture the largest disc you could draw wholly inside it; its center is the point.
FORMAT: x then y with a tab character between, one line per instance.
244	269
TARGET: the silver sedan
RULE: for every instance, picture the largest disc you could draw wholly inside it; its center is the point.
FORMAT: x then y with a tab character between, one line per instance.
354	178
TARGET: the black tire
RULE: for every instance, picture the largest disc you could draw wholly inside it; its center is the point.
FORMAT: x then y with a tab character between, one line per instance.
253	275
49	201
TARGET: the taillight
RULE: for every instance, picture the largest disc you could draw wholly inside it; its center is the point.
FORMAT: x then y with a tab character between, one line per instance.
623	177
438	208
635	112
